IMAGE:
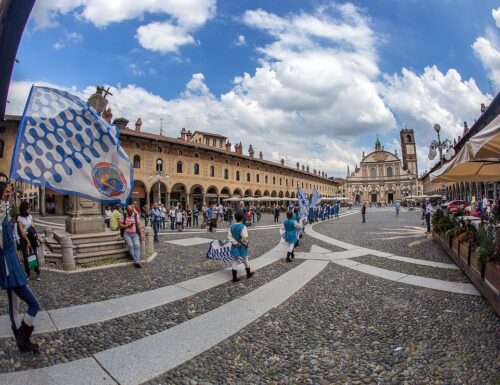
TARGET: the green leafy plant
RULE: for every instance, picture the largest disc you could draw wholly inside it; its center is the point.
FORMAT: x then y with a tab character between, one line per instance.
484	247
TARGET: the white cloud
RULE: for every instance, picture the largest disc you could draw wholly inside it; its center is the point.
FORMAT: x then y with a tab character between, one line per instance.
316	93
163	37
241	40
68	38
420	101
496	15
136	71
489	57
182	18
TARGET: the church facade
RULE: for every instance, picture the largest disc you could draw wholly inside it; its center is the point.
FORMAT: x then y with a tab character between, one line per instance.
382	177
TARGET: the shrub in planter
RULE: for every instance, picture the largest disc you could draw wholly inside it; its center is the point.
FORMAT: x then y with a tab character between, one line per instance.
485	246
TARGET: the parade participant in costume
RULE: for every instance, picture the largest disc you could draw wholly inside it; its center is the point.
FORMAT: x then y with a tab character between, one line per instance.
238	236
13	279
290	227
296	218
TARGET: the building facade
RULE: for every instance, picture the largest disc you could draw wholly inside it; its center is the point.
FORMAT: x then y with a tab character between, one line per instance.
189	170
382	177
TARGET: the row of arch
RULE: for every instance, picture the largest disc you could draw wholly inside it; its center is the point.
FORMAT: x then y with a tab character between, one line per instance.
465	190
237	177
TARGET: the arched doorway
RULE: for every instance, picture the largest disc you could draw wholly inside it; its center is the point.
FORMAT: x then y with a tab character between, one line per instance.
237	193
225	193
211	195
153	194
178	195
248	193
139	194
196	196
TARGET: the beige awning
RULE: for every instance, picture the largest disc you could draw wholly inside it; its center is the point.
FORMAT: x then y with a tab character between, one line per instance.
486	143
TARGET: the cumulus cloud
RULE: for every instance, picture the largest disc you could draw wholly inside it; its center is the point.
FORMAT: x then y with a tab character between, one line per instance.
183	18
487	49
496	15
315	95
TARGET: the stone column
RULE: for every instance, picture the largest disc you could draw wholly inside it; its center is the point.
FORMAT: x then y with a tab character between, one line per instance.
218	199
68	258
148	235
188	203
148	203
84	217
167	203
204	199
43	211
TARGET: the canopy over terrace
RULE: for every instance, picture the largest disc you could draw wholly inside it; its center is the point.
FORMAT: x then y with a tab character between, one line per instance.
477	161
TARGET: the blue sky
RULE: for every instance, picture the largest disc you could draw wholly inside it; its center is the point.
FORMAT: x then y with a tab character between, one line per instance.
274	71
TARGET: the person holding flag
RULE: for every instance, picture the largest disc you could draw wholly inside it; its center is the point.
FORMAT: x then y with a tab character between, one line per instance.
13	280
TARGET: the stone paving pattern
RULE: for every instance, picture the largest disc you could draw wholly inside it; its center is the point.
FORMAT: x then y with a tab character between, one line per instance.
410	268
371	234
345	327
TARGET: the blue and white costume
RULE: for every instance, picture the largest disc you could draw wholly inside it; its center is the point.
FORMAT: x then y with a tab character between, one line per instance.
238	236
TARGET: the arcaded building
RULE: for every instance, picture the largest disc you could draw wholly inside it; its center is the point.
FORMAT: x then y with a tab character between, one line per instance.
190	169
383	177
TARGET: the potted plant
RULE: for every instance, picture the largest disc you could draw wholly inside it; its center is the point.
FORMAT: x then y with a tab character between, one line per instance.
485	246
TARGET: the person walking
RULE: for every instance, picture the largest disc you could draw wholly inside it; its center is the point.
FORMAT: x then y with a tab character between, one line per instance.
363	213
276	211
428	211
258	212
188	217
28	238
132	234
155	221
238	236
179	218
163	216
229	215
171	214
13	280
289	227
397	206
204	213
146	215
196	213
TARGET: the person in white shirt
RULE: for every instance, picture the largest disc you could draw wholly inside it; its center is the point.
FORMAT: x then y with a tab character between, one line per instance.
163	215
179	217
107	215
172	218
28	238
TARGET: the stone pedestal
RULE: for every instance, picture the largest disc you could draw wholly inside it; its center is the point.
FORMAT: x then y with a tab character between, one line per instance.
84	217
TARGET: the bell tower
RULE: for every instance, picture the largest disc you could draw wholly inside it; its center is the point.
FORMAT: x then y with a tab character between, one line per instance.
409	150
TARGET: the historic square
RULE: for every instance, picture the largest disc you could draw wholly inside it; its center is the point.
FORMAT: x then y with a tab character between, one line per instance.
217	192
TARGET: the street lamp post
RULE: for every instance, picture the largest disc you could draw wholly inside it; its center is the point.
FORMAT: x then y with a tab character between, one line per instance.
440	146
160	175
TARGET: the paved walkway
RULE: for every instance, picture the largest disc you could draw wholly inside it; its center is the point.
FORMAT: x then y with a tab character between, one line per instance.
267	317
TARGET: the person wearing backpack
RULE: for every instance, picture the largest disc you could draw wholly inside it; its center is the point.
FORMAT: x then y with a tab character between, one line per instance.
13	280
132	234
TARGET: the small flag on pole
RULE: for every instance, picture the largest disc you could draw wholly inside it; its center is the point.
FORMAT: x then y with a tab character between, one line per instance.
65	145
303	202
316	197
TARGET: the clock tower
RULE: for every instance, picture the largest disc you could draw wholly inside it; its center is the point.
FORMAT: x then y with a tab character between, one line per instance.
409	150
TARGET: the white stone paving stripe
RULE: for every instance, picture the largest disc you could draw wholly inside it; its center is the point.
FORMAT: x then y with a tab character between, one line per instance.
152	356
86	314
190	241
424	262
80	372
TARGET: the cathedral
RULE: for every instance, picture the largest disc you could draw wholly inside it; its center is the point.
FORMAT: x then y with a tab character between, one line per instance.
382	177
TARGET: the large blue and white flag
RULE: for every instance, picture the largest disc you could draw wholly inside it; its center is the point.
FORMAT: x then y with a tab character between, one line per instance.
65	145
303	202
220	250
316	197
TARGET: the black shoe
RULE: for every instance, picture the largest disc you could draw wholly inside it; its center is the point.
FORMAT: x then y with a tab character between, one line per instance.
293	255
235	276
23	339
288	255
138	265
249	273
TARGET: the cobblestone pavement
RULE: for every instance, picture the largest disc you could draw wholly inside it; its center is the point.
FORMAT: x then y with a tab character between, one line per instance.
403	235
173	264
343	327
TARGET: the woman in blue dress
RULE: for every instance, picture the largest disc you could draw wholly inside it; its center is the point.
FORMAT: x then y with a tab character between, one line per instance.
238	235
290	227
13	280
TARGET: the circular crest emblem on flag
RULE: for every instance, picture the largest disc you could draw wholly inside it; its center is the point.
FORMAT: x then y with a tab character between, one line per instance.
109	179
